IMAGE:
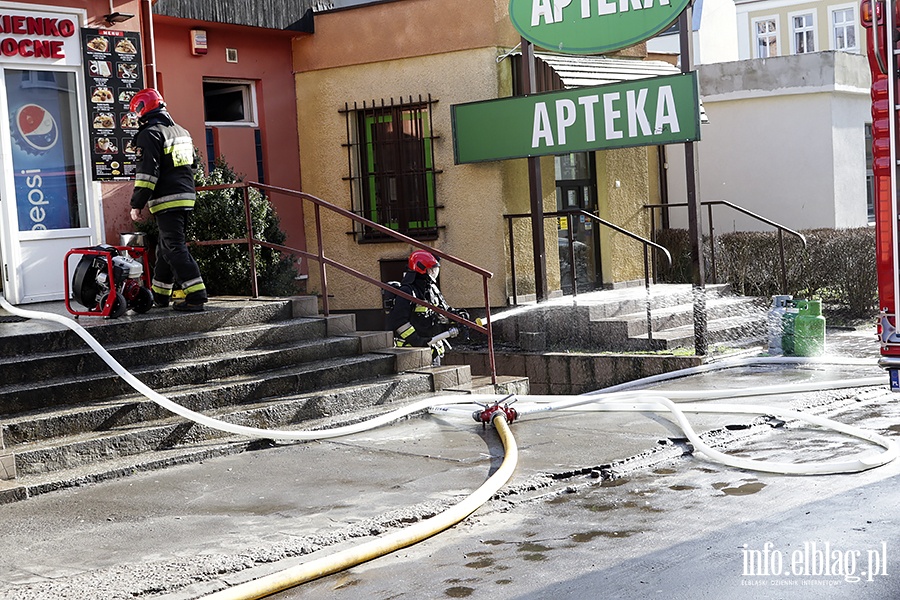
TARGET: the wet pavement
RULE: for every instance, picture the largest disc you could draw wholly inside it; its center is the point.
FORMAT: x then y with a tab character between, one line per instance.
601	504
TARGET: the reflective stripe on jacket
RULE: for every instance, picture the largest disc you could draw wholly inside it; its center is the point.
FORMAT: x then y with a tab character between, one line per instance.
164	178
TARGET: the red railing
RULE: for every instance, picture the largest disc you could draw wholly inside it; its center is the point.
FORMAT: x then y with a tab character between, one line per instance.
252	242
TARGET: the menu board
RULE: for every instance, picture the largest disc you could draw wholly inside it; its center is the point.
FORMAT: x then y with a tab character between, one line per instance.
114	73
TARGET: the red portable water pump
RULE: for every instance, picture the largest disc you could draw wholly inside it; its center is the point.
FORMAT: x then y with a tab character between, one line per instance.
109	280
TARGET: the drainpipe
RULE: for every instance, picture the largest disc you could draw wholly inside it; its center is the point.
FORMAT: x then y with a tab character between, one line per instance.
149	43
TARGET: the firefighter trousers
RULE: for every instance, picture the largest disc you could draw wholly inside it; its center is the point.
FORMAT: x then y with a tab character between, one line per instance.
174	263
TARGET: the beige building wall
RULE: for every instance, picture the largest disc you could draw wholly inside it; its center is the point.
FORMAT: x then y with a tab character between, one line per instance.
474	197
626	181
418	47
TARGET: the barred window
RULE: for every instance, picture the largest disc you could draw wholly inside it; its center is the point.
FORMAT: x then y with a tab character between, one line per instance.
392	174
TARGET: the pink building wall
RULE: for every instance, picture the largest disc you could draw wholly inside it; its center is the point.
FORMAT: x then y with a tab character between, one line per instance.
264	57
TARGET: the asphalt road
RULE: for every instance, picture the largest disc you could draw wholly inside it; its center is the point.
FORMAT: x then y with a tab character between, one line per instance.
685	529
688	529
601	505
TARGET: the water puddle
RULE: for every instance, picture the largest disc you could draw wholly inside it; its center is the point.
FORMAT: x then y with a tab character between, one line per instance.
743	490
682	488
459	592
589	536
482	563
608	483
482	560
345	583
534	557
532	547
629	504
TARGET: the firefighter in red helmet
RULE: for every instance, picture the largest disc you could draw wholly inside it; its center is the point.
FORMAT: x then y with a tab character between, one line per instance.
414	324
164	183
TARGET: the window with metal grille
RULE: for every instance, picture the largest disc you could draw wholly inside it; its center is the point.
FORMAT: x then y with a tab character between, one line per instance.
391	158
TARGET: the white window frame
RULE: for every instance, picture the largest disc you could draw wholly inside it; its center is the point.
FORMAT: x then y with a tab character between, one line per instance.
248	93
809	28
832	26
755	34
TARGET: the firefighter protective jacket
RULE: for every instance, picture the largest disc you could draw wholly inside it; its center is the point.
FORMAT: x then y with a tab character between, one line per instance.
414	324
164	178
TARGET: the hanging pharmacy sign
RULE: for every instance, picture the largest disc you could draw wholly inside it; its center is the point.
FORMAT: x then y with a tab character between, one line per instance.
644	112
592	26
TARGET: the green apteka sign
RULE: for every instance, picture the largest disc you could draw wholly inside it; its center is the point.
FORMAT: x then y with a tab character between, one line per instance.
592	26
644	112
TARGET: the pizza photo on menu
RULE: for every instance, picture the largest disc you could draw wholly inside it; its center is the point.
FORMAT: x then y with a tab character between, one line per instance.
102	95
104	121
98	44
125	46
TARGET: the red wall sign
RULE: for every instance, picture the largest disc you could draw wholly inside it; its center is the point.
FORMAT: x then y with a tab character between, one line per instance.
35	36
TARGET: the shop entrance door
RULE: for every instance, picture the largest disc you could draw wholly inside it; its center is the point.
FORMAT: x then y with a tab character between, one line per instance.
576	189
44	186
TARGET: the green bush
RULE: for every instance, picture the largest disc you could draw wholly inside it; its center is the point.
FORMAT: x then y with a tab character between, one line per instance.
837	266
219	215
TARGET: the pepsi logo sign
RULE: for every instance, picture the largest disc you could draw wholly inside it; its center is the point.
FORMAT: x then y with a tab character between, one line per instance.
36	128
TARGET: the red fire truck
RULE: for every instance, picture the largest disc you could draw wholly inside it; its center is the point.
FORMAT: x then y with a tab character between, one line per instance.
882	19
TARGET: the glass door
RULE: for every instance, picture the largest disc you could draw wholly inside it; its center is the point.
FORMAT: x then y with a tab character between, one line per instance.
48	209
576	189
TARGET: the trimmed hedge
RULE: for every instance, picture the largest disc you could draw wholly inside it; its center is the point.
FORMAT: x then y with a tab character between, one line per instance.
837	266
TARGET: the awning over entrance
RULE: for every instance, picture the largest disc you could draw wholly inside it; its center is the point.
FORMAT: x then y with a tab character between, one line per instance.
574	71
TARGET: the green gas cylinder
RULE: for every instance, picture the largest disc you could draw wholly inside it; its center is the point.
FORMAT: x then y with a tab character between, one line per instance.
791	312
809	329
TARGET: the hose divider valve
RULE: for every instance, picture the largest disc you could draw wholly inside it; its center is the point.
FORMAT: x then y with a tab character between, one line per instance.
486	415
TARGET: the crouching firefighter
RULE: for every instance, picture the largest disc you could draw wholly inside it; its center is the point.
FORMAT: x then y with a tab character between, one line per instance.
417	325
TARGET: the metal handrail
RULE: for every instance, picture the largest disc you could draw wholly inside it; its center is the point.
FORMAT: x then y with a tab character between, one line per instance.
712	240
323	260
647	244
572	273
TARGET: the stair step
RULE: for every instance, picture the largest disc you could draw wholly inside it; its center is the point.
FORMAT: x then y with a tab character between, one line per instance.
106	385
68	418
616	320
635	324
39	336
167	442
169	431
739	331
26	370
133	408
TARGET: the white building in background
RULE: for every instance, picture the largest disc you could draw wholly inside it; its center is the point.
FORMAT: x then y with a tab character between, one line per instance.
713	32
786	139
788	123
768	28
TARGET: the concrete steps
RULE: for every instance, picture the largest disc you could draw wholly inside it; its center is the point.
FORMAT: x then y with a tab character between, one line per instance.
66	418
617	321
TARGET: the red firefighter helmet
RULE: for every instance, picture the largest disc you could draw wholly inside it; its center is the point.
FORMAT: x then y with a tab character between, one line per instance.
420	261
146	100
